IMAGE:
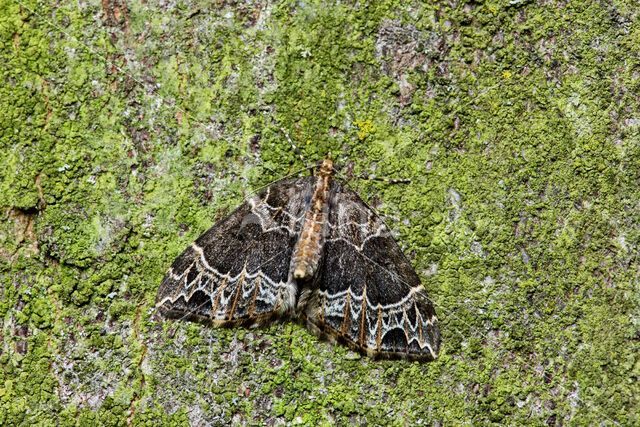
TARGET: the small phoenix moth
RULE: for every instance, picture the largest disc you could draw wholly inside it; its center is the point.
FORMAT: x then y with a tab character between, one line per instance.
312	250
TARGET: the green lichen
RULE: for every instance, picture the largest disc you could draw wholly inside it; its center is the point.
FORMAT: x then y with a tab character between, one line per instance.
124	138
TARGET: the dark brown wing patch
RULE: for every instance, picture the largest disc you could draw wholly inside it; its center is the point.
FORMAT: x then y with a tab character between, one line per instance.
369	295
238	271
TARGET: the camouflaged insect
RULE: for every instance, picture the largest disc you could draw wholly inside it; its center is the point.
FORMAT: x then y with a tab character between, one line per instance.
308	249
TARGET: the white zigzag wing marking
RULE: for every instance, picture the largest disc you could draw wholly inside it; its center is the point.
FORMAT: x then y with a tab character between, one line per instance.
369	295
238	271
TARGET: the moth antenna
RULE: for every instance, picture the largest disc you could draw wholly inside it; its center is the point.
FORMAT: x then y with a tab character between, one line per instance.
343	177
348	179
295	149
387	180
372	178
289	175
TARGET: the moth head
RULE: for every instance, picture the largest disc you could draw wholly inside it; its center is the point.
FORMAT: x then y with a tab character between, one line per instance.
326	167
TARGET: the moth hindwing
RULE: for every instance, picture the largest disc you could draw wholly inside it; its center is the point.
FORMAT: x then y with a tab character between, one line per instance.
308	249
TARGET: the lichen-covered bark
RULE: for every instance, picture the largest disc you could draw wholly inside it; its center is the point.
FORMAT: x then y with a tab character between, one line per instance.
128	128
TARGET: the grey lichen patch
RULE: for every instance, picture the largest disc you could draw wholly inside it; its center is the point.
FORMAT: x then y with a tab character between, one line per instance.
129	129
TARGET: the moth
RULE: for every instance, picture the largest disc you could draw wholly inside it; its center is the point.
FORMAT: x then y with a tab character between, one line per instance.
312	250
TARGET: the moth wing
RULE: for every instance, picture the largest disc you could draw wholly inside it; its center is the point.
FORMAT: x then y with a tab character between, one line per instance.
368	294
237	272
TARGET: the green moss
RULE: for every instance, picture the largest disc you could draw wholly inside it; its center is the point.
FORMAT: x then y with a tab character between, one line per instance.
123	139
